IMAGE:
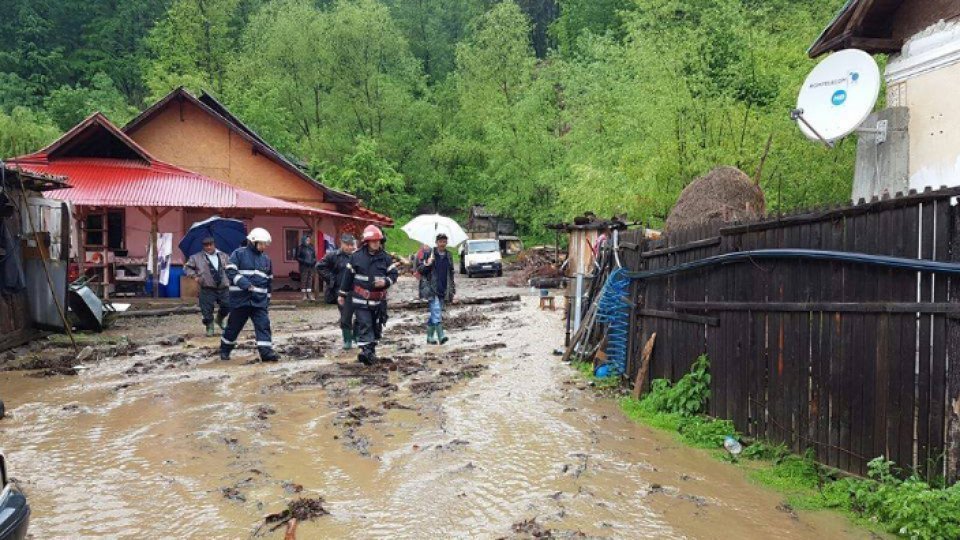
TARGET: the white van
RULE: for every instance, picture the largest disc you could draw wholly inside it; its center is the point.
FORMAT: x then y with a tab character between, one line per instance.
481	257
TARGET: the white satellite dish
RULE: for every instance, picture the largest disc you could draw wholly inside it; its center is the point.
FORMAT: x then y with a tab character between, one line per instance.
838	96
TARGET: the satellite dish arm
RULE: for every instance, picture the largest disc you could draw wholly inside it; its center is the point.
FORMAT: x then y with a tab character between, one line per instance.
797	116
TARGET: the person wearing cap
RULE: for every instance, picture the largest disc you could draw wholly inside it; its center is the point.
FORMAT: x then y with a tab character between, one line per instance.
437	287
306	260
331	269
370	272
208	268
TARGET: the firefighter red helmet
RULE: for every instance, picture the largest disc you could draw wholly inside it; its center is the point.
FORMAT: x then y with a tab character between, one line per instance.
372	232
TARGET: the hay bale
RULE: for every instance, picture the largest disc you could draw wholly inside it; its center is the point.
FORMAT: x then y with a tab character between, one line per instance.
724	194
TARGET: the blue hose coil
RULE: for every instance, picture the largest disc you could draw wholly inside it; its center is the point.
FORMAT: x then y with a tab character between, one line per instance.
614	311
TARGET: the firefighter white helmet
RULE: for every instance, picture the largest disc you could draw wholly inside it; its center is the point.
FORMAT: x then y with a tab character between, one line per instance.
259	235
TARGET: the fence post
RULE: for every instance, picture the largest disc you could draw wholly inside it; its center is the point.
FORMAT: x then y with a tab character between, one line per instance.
953	359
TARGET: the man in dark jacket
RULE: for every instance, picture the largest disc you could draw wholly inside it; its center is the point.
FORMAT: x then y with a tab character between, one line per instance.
437	287
209	269
369	274
331	269
307	259
250	272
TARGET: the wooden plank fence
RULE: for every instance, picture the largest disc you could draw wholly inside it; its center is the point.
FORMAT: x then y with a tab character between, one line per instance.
851	361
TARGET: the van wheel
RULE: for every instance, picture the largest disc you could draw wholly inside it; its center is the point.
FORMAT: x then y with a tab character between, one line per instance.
500	273
469	275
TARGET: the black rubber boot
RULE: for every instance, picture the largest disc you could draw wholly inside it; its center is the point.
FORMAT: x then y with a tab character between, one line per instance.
368	355
268	355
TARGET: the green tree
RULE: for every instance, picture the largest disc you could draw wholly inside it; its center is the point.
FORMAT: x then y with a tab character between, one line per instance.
69	105
23	131
370	176
192	46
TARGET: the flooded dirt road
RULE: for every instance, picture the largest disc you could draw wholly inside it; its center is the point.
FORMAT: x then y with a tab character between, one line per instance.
489	436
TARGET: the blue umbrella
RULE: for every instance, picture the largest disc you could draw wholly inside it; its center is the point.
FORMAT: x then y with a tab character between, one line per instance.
227	235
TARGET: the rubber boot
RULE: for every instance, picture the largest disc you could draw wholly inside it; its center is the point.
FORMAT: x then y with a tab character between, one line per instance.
368	355
221	322
211	331
431	334
440	335
347	339
268	355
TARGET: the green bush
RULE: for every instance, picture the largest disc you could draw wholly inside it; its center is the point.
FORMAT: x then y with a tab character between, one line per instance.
909	508
686	397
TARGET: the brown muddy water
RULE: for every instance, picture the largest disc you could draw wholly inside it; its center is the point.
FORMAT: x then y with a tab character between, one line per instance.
489	436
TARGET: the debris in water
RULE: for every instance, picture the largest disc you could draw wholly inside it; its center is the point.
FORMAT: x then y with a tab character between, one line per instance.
300	510
291	487
264	411
233	494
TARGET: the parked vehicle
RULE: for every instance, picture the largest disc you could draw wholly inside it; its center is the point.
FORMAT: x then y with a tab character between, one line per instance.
14	510
478	257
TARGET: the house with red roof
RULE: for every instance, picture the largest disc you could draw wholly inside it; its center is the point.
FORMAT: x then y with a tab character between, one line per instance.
124	197
200	134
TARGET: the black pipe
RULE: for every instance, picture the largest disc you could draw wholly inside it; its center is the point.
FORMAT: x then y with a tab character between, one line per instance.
916	265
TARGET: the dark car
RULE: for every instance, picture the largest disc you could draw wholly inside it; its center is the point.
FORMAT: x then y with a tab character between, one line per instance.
14	510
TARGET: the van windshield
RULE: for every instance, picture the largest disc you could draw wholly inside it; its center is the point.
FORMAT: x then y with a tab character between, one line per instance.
486	246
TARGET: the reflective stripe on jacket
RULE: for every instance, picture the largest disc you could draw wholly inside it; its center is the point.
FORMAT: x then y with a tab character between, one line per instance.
250	273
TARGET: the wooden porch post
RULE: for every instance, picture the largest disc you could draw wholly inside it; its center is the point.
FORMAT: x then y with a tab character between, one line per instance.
154	231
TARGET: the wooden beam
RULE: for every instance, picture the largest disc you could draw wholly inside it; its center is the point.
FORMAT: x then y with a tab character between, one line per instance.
876	44
706	242
832	307
685	317
952	441
644	366
863	207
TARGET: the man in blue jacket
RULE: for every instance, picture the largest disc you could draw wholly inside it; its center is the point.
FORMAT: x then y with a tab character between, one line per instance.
251	276
437	287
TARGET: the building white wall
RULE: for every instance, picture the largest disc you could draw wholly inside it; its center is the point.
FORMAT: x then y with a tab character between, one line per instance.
925	77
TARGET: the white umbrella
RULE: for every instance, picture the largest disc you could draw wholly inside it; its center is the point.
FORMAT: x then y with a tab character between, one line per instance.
425	228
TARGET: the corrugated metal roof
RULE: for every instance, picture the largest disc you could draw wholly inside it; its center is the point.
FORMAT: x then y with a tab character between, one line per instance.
115	182
366	214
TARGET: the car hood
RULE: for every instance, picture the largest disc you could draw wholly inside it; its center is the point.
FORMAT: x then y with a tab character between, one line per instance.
483	258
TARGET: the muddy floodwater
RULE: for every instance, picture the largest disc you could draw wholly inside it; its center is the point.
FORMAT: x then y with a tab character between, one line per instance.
489	436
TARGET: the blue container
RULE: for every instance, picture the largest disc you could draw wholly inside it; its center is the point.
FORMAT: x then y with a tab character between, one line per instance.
172	288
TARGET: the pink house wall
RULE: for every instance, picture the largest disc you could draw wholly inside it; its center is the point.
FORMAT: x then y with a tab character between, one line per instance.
137	234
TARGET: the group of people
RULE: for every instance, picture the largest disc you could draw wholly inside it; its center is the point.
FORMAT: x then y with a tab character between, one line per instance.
238	288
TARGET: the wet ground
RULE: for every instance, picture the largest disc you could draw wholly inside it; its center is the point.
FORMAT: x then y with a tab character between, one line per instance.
489	436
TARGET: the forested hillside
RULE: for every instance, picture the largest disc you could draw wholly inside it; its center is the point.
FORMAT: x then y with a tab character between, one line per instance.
539	108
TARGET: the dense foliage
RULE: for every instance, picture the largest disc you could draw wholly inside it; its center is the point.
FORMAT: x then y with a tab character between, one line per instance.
539	108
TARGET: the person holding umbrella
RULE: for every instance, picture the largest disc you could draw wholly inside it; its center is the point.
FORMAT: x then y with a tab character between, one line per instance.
437	286
370	272
331	268
208	268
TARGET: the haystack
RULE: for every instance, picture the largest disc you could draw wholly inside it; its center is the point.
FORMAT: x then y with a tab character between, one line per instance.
724	194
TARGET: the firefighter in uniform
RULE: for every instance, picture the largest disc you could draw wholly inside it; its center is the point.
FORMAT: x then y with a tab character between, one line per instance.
331	268
251	275
369	274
